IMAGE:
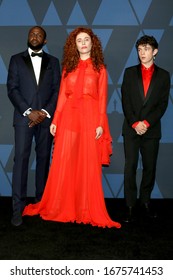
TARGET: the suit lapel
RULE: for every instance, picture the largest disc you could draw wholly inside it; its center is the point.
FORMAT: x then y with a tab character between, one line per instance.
153	79
44	64
28	62
140	83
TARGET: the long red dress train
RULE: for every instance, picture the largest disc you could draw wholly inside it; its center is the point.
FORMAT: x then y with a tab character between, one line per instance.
73	192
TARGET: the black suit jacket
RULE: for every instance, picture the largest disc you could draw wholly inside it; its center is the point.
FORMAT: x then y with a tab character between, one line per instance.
23	90
151	108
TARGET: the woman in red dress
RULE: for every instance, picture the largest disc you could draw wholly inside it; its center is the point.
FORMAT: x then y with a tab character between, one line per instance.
73	191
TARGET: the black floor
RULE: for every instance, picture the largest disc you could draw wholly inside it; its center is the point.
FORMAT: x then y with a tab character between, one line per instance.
37	239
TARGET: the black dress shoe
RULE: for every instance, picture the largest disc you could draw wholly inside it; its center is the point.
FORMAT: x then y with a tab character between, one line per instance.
16	219
148	212
130	215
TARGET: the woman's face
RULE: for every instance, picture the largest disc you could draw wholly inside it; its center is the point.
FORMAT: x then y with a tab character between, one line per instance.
83	44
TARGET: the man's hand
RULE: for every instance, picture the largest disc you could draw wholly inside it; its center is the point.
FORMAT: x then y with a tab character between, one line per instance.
36	117
141	128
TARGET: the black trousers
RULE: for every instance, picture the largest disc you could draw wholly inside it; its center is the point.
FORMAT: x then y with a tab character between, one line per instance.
24	136
148	148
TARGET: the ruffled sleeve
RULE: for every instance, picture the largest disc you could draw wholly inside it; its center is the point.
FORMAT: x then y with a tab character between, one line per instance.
105	141
61	101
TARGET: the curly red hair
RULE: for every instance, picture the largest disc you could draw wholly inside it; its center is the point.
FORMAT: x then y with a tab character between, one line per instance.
71	55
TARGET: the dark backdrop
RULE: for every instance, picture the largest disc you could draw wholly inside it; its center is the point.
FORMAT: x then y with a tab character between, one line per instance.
118	23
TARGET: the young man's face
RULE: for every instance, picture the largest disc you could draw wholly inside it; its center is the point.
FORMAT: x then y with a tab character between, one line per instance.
146	54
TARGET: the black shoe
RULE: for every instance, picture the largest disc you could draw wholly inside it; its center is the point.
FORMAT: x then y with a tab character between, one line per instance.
130	215
148	212
16	219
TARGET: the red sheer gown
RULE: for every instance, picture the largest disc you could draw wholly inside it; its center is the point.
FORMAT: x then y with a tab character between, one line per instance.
73	192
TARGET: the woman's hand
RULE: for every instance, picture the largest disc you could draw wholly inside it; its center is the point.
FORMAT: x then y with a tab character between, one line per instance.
99	132
53	129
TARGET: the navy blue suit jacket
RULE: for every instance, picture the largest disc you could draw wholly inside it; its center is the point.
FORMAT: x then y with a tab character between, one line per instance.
23	90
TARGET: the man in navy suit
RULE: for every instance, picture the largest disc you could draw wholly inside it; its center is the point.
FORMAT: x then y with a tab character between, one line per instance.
33	84
145	92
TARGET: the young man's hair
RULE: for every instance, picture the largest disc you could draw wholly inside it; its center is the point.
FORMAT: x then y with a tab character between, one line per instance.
146	39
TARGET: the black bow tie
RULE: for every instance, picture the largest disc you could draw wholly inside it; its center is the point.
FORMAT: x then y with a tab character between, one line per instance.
37	54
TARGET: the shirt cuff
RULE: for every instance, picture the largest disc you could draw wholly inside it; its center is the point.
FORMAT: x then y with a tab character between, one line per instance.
146	123
48	115
27	112
135	124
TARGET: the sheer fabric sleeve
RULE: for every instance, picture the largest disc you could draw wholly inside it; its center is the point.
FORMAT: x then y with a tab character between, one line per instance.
61	101
105	140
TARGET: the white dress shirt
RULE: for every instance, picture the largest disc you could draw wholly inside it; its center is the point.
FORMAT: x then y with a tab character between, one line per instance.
36	62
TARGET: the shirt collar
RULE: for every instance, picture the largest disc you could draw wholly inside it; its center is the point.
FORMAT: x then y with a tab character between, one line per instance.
150	69
30	51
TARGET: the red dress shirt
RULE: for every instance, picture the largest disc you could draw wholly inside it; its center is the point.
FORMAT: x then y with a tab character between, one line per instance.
146	78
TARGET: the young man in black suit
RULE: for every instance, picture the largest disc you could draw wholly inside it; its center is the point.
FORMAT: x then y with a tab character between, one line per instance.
33	84
145	92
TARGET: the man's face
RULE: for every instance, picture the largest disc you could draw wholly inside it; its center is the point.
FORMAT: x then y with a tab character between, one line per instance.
36	39
146	54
